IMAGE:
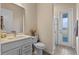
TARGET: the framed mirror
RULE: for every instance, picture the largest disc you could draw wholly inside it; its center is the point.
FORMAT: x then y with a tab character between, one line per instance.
13	17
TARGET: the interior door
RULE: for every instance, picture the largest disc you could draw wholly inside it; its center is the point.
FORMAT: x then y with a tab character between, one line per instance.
65	18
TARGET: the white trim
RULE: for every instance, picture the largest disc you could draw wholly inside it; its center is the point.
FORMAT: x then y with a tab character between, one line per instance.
19	4
24	11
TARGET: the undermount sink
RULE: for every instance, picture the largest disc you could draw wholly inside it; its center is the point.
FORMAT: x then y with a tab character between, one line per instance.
21	36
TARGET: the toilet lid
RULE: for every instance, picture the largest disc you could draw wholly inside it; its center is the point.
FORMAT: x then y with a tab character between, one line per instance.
39	45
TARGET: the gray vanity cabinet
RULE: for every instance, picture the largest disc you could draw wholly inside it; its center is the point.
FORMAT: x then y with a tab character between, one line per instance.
18	47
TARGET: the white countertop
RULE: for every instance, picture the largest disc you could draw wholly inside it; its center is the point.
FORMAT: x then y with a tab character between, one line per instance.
18	37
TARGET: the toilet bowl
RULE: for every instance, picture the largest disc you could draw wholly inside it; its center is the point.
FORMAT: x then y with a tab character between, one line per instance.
39	48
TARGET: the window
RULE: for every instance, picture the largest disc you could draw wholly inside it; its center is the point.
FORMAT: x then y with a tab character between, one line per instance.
65	21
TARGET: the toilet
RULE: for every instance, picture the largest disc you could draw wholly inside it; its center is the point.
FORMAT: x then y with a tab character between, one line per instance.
38	47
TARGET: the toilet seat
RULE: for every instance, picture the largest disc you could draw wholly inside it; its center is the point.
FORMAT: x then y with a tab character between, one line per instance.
39	45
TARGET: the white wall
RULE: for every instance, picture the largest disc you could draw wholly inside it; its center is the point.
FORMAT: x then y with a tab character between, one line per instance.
30	21
44	22
17	15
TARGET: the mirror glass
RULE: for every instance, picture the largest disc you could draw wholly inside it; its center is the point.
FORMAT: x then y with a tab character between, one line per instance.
6	20
12	17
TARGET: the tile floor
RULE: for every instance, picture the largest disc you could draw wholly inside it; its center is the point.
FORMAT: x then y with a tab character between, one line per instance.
64	50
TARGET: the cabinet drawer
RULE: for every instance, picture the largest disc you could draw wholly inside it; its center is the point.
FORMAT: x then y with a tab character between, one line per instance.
27	46
9	46
28	52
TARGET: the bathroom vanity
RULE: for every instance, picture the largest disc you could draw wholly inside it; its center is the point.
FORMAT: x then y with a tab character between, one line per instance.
20	45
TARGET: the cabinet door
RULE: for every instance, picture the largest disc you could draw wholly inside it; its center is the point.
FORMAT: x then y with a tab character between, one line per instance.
12	52
27	49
